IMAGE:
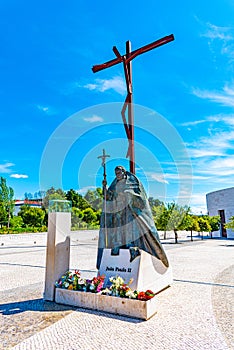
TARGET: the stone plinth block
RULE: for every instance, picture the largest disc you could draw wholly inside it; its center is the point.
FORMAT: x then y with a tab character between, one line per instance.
147	271
116	305
58	250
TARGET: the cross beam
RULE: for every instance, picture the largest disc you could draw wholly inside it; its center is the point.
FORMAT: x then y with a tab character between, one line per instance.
128	104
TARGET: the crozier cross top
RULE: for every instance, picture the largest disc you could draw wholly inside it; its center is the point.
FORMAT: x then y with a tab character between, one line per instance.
103	158
128	104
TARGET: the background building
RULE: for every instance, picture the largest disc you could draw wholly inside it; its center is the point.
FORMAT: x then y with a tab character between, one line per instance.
221	203
31	203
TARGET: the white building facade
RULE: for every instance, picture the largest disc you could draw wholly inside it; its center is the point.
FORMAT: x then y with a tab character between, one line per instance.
221	203
30	203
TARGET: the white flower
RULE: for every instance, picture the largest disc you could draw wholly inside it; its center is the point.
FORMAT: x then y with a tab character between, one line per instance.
81	281
130	294
106	291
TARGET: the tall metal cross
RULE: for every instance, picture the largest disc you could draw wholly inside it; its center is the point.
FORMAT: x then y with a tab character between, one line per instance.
128	104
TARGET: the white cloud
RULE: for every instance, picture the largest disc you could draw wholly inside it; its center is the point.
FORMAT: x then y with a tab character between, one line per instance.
220	142
198	203
227	119
4	168
116	83
183	177
223	163
215	32
199	153
225	97
192	123
157	177
93	119
163	178
218	145
218	118
84	190
91	86
220	42
43	108
19	176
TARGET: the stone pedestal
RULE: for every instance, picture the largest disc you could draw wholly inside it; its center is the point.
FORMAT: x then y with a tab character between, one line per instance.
147	271
58	250
118	306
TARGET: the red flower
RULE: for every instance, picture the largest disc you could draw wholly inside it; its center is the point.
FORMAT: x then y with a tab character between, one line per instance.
149	294
145	295
149	291
141	296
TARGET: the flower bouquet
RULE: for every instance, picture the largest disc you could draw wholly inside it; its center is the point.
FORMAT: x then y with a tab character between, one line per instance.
117	297
118	287
73	281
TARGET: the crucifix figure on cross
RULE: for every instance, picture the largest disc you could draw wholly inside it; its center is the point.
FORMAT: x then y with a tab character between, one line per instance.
128	104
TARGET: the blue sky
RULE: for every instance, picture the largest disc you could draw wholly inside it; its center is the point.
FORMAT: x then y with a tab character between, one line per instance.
57	115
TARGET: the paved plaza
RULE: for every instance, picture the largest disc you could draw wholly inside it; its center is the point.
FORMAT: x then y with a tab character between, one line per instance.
196	312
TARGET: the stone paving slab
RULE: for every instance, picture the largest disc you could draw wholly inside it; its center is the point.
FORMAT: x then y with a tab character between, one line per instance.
194	313
23	313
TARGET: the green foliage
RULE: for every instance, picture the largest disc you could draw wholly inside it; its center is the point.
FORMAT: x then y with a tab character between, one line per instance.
59	205
3	215
7	202
51	194
154	202
28	195
76	218
177	215
16	222
204	225
32	216
89	216
214	222
160	215
191	223
94	198
77	200
86	212
230	224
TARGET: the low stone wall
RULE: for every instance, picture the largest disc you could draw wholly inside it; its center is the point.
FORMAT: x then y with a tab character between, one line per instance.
116	305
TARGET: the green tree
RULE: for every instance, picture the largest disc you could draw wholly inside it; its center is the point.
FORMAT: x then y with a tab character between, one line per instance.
51	194
94	198
28	195
32	216
16	222
154	202
177	216
204	225
3	219
191	224
214	222
161	217
77	200
7	202
230	224
76	218
90	216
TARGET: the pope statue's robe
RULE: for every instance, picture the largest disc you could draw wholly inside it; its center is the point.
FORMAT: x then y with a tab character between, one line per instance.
127	221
